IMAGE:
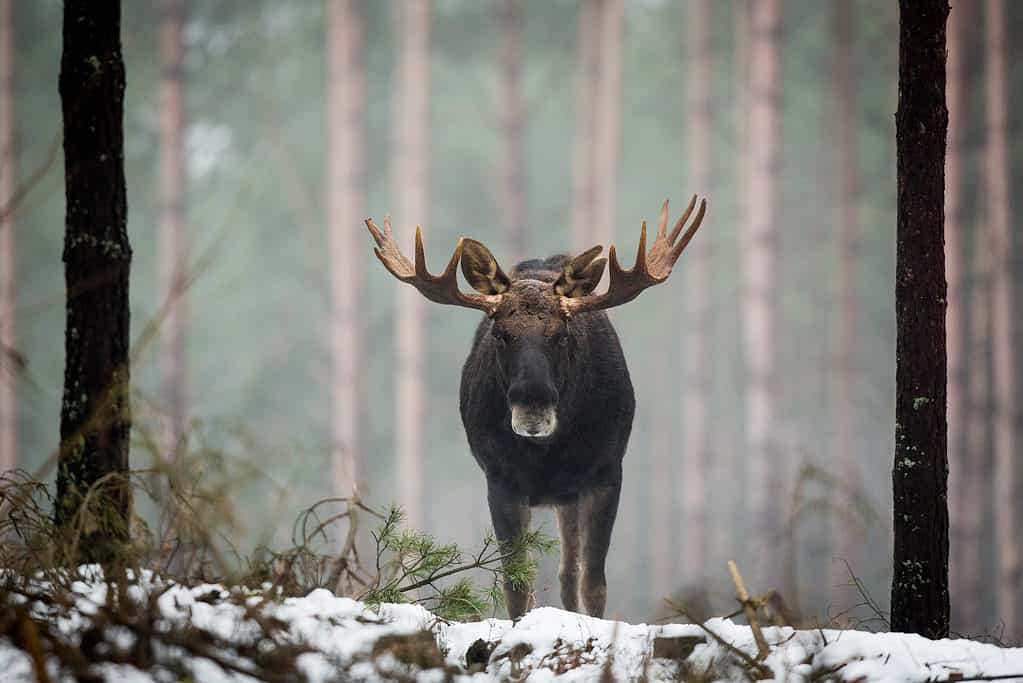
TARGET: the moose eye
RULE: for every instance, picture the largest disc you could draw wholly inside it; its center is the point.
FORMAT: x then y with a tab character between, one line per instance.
562	339
500	336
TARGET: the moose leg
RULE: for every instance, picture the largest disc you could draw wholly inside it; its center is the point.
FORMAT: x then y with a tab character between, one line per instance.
568	573
597	509
510	516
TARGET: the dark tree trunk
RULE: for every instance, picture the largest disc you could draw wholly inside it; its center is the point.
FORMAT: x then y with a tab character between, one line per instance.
920	602
95	416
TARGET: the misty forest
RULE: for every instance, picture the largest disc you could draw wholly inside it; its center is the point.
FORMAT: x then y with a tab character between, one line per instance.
236	444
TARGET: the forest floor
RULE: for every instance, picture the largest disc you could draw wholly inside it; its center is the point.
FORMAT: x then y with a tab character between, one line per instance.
159	631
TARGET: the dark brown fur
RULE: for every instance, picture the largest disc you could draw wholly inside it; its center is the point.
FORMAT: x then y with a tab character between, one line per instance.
531	352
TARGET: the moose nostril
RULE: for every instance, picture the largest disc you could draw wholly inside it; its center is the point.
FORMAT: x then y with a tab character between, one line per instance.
527	393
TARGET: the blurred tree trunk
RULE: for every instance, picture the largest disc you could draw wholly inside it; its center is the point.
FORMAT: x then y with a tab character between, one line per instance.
607	128
587	84
919	597
961	536
845	371
344	187
173	242
512	115
8	292
694	480
760	285
95	416
411	140
996	181
741	514
973	550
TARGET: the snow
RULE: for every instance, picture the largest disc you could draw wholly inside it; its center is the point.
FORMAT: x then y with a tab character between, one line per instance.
351	641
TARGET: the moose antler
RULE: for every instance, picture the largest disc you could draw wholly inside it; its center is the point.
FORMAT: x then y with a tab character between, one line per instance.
651	268
442	288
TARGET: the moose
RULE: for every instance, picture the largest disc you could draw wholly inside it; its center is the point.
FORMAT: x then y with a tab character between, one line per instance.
546	399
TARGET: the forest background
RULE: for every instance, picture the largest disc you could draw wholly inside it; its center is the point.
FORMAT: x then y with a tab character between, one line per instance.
258	351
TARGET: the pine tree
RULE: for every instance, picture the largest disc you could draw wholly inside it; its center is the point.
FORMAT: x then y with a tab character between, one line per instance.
95	417
8	284
845	332
694	479
345	238
512	116
759	256
919	598
411	177
173	241
587	84
999	213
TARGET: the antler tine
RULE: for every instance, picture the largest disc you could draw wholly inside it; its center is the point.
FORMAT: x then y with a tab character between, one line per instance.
663	225
640	265
651	268
441	288
682	219
677	250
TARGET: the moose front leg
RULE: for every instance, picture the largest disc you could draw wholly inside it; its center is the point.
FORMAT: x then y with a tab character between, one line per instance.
568	573
597	509
510	517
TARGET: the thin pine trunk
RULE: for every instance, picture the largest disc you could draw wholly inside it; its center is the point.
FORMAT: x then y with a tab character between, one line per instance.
663	519
512	115
587	81
996	180
607	125
344	183
8	291
844	338
919	597
173	242
741	516
410	164
961	536
95	416
760	282
974	516
694	479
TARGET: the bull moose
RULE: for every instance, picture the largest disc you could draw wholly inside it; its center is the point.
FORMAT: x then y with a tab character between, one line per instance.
546	399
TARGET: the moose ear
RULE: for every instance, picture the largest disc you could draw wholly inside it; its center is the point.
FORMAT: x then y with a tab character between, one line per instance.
581	275
481	270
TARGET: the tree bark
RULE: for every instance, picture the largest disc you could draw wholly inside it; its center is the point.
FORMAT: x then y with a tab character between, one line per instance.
961	536
411	138
587	83
845	370
173	242
694	479
607	125
759	282
1007	469
512	116
95	417
8	285
344	189
919	599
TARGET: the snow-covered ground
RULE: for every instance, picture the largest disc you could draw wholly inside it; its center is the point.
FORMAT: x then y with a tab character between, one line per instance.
349	641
